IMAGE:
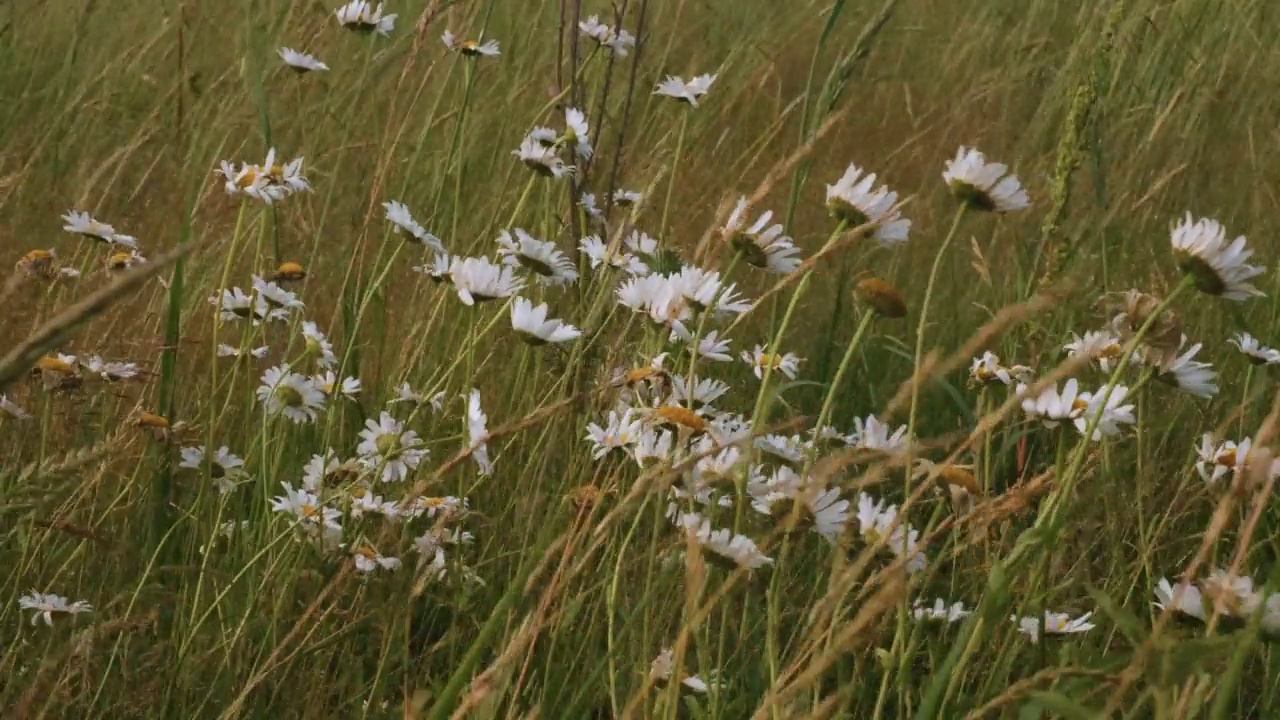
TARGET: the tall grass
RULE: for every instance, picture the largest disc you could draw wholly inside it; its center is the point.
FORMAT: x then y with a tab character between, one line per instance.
561	576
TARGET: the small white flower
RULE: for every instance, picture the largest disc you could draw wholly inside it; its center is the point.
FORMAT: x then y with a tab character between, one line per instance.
988	369
312	517
654	446
46	604
872	434
940	612
398	214
588	204
619	41
301	62
276	297
577	133
440	268
789	449
225	468
853	201
1183	599
287	392
1110	415
677	88
317	345
1219	268
257	353
364	16
1052	407
1218	460
1189	375
406	394
534	327
479	279
83	224
704	391
703	290
663	666
387	447
470	48
761	362
710	346
318	468
328	383
600	254
478	431
1230	594
1256	352
875	518
111	371
542	158
983	185
739	550
620	432
1099	346
544	259
626	198
658	297
1054	624
762	245
368	559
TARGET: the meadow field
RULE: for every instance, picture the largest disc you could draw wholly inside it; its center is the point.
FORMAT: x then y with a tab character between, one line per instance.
645	359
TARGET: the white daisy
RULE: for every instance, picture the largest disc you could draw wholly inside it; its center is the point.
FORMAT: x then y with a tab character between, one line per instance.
875	519
1054	624
760	361
111	371
542	158
387	447
872	434
789	449
1099	346
853	201
301	62
317	345
600	254
702	290
309	515
46	604
364	16
398	214
761	245
1256	352
988	369
940	612
228	351
704	391
368	559
406	394
1217	460
621	431
544	259
1183	599
619	41
658	297
534	327
588	204
318	469
904	543
677	88
83	224
1230	594
1189	375
1052	407
1109	415
710	346
439	270
287	392
577	133
663	666
328	383
479	279
739	550
626	198
654	446
225	468
470	48
983	185
276	297
1219	268
478	431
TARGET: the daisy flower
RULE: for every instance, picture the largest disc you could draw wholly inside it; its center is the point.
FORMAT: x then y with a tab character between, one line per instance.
619	41
619	432
479	279
789	449
1054	624
988	369
398	214
1182	599
125	260
874	519
406	394
710	346
544	259
439	268
626	198
853	201
470	48
276	297
83	224
1216	460
386	446
257	353
368	559
1256	352
364	16
328	383
1099	346
737	550
588	204
872	434
702	290
534	327
1110	415
1230	594
233	304
1189	375
675	87
225	467
577	133
541	158
1052	407
46	604
904	543
982	185
761	362
301	62
654	446
600	254
478	431
317	345
1218	268
318	469
704	391
313	518
762	245
111	371
287	392
940	612
662	667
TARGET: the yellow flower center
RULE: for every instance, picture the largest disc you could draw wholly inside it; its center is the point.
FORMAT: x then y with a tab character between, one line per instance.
387	444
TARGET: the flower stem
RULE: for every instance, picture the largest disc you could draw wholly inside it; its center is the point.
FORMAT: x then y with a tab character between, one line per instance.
671	182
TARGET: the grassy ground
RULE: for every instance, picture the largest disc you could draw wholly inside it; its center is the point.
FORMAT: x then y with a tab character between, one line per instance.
1118	117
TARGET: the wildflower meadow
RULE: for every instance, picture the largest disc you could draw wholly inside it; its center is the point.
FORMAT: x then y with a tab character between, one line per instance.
640	359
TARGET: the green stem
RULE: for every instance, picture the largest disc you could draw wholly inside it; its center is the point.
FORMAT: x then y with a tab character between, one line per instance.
671	182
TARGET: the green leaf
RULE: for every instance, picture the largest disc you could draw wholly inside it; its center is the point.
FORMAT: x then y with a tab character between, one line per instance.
1058	704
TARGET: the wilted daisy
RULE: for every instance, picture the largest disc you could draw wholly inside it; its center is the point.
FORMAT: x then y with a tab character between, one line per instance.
225	468
470	48
287	392
737	550
983	185
1054	624
368	559
1188	374
1256	352
577	134
873	434
83	224
760	361
1182	599
762	245
364	16
853	201
398	214
1218	268
541	157
110	371
478	432
46	604
329	385
621	431
1052	407
479	279
988	369
1217	460
939	612
619	41
881	297
317	345
1107	416
39	263
1230	594
600	254
12	409
534	327
544	259
1099	346
675	87
387	447
257	353
301	62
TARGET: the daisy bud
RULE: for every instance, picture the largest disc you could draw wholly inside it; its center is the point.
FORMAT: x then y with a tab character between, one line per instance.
882	297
